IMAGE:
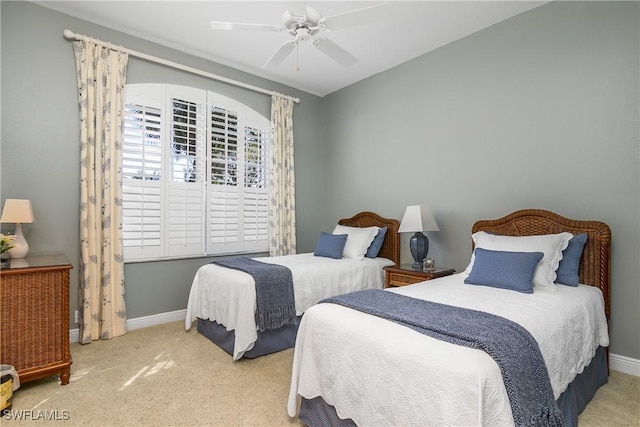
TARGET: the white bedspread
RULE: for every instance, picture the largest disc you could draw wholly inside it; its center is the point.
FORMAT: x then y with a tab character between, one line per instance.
377	372
229	296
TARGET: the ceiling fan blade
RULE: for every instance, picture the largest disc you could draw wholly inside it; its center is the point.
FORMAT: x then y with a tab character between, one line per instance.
297	7
215	25
334	52
280	54
356	17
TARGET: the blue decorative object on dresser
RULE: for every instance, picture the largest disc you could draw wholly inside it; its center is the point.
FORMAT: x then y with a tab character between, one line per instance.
418	219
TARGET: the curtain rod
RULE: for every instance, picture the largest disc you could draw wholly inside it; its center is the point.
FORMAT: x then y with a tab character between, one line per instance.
71	35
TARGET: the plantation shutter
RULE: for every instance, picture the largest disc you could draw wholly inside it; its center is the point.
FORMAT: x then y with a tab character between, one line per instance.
237	186
225	203
194	174
186	183
256	227
142	205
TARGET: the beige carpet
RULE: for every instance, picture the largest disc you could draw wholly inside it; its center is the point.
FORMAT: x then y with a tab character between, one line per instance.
165	376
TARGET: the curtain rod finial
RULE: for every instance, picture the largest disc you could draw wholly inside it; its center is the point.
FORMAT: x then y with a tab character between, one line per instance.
69	34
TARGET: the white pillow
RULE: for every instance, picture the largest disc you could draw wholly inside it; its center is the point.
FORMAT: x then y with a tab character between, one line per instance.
358	240
551	245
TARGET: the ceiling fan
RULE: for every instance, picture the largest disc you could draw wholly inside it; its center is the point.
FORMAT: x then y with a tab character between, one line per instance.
305	23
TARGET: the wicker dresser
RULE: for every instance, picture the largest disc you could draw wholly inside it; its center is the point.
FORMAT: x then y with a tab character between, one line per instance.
34	317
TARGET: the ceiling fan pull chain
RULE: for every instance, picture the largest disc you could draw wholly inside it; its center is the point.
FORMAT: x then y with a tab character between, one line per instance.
297	57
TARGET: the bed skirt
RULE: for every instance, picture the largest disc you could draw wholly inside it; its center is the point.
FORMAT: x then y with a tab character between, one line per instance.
269	341
317	413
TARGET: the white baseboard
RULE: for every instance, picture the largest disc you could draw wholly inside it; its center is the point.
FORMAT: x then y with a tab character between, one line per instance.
624	364
619	363
141	322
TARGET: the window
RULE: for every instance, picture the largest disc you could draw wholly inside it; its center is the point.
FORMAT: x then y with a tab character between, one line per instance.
194	174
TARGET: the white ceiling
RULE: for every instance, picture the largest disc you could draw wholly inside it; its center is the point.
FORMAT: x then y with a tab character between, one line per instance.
411	29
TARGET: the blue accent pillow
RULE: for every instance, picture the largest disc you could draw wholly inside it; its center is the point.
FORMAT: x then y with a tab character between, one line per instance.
505	270
376	245
568	270
330	245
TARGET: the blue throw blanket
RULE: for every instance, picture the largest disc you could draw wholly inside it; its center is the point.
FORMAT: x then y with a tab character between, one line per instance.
513	348
275	300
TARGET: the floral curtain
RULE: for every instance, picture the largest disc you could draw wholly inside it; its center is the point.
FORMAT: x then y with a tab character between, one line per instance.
101	73
282	208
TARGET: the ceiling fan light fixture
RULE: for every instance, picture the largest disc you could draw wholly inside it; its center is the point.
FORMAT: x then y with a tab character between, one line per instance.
302	34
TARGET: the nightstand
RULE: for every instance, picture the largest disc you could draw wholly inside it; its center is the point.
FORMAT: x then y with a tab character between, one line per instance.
35	317
407	275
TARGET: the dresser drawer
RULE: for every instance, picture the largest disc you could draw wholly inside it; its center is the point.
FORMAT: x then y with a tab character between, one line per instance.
399	279
406	275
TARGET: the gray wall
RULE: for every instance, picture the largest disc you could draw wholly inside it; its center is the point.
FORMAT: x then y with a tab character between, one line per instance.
540	111
40	150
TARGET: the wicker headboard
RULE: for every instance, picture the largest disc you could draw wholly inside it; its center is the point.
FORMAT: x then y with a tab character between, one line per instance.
594	265
391	246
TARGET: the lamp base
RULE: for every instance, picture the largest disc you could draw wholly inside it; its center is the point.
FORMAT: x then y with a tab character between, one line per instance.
419	245
20	246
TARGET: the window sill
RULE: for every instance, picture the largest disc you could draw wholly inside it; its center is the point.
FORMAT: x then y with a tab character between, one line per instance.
247	254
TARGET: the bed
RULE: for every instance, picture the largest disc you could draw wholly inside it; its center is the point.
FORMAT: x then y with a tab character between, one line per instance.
223	300
354	368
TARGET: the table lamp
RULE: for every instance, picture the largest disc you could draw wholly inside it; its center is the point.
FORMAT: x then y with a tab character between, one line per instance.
18	211
418	219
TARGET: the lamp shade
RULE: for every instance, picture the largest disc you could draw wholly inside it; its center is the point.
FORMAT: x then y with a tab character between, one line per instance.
418	218
17	211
